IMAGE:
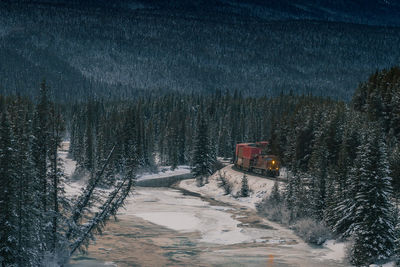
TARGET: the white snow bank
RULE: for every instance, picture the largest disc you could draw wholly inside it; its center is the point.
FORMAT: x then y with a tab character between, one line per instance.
260	187
337	250
389	264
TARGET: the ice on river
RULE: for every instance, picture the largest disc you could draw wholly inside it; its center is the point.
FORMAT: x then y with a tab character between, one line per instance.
169	208
179	221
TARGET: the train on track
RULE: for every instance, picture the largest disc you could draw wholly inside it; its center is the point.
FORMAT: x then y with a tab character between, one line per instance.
252	157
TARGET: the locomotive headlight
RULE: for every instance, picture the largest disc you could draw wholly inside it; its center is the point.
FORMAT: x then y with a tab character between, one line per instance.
273	162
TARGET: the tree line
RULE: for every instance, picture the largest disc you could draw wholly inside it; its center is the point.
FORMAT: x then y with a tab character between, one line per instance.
39	224
166	128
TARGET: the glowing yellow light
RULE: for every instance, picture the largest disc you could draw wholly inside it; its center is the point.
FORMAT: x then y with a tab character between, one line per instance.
273	162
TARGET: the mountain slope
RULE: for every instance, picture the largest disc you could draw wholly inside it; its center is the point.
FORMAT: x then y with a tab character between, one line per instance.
119	51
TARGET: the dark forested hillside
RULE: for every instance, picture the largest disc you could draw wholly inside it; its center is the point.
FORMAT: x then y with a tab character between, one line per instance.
120	52
371	12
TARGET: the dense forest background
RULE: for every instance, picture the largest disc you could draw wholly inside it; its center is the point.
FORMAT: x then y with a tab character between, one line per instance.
121	52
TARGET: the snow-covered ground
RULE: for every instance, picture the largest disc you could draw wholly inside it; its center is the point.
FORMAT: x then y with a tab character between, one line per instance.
260	187
72	188
336	250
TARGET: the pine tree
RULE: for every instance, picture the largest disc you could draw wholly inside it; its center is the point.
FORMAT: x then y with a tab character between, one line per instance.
395	170
244	190
318	168
395	114
275	196
373	224
297	196
397	241
8	238
57	200
26	213
332	198
131	157
89	142
202	158
40	149
40	160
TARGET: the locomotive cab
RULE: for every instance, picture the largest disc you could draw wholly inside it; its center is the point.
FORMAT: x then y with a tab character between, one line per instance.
271	165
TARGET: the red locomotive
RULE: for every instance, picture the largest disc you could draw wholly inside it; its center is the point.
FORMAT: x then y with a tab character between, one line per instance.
252	157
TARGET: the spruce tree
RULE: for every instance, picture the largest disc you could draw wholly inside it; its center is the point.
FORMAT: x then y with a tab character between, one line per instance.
318	168
40	146
373	224
202	158
26	213
89	142
244	190
57	199
397	241
297	196
40	149
395	170
275	196
8	166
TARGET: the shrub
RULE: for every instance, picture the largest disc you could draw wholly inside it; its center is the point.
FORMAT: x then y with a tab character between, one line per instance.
224	183
279	214
275	211
311	231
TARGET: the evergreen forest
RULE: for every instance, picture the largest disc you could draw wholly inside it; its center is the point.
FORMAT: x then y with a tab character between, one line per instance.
343	159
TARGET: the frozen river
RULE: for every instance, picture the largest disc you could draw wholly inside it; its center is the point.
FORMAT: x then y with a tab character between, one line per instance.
170	227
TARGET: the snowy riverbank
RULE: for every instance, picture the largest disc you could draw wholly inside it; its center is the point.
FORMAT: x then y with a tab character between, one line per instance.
260	188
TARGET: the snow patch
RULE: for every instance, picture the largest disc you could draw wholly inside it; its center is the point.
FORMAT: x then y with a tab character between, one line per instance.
179	221
337	250
389	264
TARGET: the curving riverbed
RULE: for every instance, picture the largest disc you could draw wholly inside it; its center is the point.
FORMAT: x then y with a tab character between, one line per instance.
171	227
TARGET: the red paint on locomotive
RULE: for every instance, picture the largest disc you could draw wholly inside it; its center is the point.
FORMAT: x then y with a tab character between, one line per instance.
252	157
